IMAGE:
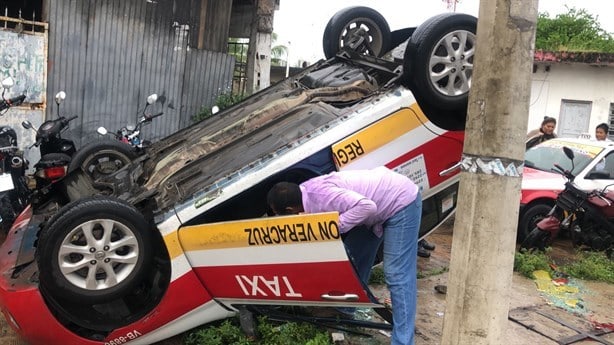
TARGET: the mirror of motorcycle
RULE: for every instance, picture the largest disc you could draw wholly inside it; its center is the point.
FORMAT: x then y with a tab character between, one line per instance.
59	97
151	99
7	83
102	131
215	109
570	155
568	152
27	124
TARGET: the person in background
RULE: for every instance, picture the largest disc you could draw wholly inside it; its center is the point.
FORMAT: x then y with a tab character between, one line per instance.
543	133
601	132
388	203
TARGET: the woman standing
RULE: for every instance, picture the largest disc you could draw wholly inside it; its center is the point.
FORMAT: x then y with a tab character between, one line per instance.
543	133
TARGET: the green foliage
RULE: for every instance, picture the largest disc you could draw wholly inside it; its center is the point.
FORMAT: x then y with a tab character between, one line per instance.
591	266
576	30
432	272
525	262
377	276
291	333
223	101
229	333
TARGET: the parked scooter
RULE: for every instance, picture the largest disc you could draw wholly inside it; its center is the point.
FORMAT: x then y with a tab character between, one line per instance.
13	188
130	134
588	216
56	152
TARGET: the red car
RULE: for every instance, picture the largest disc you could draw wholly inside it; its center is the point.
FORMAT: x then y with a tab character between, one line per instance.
180	237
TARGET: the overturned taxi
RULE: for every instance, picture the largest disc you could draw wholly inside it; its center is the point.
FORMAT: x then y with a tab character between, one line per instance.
181	236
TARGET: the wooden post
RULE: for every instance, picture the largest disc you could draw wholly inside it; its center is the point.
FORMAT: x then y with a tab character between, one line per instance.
483	245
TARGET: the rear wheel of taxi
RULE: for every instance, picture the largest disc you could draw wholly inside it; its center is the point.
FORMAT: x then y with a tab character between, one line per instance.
438	60
530	217
362	28
94	250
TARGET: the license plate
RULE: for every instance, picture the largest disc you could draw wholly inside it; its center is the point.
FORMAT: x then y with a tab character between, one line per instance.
6	182
447	203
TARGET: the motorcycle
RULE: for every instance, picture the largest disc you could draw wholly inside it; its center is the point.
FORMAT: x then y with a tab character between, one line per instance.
56	152
131	134
60	156
587	216
13	186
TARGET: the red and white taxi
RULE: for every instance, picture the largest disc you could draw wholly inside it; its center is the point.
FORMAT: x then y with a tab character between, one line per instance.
180	237
594	168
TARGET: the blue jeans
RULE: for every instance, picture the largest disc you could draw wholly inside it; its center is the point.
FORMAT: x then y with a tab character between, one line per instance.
361	245
400	250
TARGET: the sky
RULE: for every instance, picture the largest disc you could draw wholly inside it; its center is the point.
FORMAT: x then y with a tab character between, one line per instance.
300	26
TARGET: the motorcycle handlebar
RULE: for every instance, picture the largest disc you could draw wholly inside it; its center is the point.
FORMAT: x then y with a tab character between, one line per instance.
155	115
70	118
11	102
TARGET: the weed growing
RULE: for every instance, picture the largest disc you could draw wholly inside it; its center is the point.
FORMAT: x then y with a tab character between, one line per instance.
432	272
223	101
229	332
528	261
591	266
377	276
585	265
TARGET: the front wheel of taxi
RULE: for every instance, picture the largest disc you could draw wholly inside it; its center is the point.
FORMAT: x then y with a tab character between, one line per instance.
94	250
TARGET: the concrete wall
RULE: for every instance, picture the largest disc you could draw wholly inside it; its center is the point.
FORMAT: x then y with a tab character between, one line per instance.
555	82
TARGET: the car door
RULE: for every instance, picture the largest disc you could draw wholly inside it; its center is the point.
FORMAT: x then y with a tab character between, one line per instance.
296	260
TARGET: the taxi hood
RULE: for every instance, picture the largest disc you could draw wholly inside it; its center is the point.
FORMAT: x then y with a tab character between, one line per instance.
533	179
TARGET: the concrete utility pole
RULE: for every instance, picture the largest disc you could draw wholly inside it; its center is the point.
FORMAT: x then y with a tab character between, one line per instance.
483	244
259	51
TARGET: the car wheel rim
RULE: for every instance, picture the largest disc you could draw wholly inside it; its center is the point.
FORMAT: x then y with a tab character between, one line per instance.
104	163
98	254
451	64
363	29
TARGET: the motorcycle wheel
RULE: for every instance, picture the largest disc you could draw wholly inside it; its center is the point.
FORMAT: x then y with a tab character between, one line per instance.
102	158
529	219
538	239
94	250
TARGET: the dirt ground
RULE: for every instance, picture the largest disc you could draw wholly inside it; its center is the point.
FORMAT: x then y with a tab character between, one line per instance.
532	313
534	317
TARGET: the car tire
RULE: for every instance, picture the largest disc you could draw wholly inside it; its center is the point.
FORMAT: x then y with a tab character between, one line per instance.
530	217
94	250
102	158
427	56
342	30
537	239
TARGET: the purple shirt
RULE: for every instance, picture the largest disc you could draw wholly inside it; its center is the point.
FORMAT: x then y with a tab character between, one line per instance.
367	197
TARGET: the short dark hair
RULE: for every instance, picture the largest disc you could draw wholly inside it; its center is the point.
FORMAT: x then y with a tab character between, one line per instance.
548	119
603	126
284	195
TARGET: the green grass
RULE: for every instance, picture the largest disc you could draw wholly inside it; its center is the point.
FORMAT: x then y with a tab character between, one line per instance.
584	265
432	272
525	262
228	332
377	274
591	266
